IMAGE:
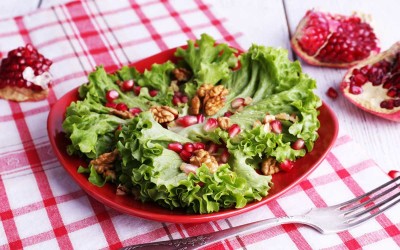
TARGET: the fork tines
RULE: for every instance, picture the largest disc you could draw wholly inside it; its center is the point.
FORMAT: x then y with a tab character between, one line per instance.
372	203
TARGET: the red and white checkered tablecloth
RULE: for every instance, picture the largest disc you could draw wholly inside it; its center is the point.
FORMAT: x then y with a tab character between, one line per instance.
40	205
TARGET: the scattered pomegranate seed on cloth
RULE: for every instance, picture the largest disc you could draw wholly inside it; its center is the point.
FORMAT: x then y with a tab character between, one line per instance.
332	93
394	174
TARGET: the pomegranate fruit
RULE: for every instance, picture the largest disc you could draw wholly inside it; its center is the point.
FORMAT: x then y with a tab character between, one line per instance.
24	75
333	40
374	84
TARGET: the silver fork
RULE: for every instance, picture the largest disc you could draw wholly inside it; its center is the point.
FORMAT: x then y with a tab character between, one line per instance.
326	220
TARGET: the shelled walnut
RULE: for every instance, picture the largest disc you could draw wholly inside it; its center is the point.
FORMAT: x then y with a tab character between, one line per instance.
269	166
163	114
104	164
122	114
210	98
224	122
181	74
202	156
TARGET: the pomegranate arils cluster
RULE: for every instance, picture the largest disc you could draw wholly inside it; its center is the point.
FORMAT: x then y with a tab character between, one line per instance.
334	40
374	84
24	68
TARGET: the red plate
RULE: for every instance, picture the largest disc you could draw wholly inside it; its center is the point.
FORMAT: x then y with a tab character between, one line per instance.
283	181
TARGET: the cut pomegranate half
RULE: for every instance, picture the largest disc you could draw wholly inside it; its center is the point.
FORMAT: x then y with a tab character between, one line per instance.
24	75
374	84
333	40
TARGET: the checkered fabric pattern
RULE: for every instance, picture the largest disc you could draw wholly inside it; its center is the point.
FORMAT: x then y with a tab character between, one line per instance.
42	208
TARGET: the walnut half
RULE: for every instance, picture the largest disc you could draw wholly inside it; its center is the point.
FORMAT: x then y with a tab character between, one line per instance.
203	157
269	166
163	114
104	164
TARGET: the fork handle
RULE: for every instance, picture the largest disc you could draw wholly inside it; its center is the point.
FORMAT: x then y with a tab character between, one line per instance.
207	239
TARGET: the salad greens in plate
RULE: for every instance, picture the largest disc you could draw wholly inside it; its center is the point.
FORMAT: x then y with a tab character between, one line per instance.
201	133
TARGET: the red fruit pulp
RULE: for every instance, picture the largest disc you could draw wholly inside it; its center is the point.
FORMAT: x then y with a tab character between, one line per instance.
374	84
334	40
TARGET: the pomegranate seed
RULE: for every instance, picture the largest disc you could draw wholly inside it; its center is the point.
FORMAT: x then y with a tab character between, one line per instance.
199	145
185	155
298	144
224	156
111	95
111	105
175	146
176	101
121	106
228	114
119	128
237	103
184	99
135	111
276	126
360	79
355	90
188	168
387	104
396	103
387	85
30	47
153	92
212	148
136	89
189	147
127	85
210	125
186	121
233	130
392	92
286	165
364	70
394	174
332	93
200	118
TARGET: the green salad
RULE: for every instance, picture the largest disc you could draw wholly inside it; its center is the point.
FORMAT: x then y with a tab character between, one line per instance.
202	133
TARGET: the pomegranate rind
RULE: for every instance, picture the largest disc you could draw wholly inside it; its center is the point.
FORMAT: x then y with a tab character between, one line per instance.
16	94
369	100
311	59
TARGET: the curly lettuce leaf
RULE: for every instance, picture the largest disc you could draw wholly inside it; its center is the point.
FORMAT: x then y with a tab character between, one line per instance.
155	171
90	128
100	82
209	62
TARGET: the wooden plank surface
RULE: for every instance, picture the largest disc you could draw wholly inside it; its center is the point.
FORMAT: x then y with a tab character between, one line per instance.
269	23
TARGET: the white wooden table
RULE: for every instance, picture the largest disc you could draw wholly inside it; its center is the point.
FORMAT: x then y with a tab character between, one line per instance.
272	23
